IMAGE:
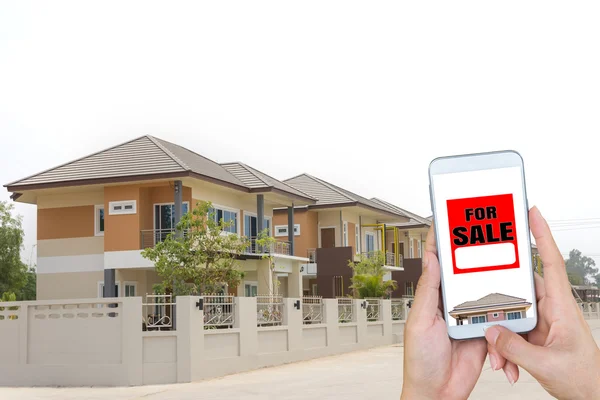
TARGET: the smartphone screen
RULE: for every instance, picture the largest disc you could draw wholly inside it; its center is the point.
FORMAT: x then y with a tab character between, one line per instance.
483	245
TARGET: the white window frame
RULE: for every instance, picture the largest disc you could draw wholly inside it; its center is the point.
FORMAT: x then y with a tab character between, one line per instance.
97	209
237	212
412	288
512	312
100	291
357	238
122	204
253	214
251	283
277	227
477	316
419	245
345	233
495	315
165	204
372	234
130	283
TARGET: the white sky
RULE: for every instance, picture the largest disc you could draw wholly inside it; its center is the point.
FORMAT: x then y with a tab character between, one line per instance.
362	94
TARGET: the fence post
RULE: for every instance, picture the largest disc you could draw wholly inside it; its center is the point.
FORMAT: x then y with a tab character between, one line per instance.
190	338
23	332
361	322
331	320
132	347
246	321
386	317
292	318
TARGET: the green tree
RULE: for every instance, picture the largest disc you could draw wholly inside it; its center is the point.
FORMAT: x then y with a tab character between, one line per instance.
367	280
202	259
13	271
29	290
580	269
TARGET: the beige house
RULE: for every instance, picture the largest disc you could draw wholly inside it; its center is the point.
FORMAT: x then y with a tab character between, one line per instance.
341	226
97	213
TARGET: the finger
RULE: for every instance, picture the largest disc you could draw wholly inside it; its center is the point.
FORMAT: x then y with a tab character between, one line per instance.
426	304
497	360
430	244
511	371
516	349
555	275
540	287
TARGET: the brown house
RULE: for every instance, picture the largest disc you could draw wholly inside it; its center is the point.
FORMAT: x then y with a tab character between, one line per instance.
341	226
493	307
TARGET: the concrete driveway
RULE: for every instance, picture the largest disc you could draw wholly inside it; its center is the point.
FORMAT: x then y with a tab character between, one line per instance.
372	374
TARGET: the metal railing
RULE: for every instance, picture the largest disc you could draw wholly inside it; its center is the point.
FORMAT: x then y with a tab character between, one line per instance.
312	309
345	309
150	237
158	312
388	257
398	310
269	310
311	254
373	309
277	247
219	311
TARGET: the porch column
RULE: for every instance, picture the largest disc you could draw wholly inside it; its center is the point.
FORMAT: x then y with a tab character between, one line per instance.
291	229
260	213
265	278
109	283
294	281
178	205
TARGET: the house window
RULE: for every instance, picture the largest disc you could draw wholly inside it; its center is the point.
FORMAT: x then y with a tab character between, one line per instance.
513	315
227	216
101	289
164	215
315	291
122	207
357	238
370	242
130	289
251	225
345	225
409	289
495	315
480	319
282	230
99	220
251	289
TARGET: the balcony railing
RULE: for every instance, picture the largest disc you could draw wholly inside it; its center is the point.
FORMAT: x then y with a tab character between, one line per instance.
390	258
278	247
150	237
311	254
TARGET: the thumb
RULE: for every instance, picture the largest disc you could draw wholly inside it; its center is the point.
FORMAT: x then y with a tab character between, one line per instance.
515	348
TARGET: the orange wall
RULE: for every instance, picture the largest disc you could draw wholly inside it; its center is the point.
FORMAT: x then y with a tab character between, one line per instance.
65	222
122	232
308	221
352	236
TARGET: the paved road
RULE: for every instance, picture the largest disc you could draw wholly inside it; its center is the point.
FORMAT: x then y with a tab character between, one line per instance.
372	374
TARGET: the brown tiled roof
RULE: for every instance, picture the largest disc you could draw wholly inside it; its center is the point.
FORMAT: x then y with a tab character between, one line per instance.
414	218
255	179
328	194
494	299
148	157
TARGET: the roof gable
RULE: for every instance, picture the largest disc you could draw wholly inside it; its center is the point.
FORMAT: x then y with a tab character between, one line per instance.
491	299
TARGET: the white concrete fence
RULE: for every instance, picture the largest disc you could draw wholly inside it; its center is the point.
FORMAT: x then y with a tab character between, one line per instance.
590	310
101	342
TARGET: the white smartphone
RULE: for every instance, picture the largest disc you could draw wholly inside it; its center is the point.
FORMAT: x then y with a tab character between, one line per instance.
480	210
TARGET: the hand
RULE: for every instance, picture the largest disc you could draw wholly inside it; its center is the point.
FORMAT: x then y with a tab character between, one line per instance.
435	366
560	352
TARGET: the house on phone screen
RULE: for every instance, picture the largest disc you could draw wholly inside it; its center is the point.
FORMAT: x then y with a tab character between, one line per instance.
493	307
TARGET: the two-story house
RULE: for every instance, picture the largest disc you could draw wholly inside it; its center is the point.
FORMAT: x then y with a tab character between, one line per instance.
342	225
96	214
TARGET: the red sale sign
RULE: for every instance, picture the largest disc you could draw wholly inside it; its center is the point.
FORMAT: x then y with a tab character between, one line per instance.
483	235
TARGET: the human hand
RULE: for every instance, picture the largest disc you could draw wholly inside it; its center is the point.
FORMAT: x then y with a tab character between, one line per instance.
560	352
435	366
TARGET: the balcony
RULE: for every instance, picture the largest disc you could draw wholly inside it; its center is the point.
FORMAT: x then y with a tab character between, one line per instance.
390	258
150	237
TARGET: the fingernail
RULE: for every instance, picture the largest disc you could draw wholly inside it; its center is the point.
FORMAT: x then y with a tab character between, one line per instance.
493	362
510	378
491	335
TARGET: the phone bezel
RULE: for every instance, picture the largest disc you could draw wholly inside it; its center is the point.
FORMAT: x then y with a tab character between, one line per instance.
476	162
